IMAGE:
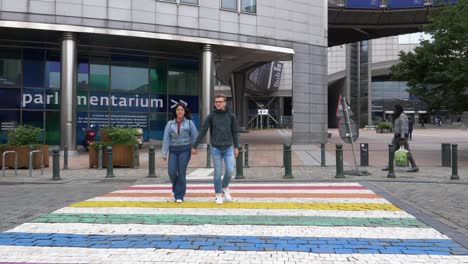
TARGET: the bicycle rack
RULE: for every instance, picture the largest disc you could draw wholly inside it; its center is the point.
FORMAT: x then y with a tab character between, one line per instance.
3	161
31	162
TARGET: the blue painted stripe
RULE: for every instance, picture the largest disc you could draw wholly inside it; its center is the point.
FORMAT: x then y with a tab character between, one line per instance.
236	243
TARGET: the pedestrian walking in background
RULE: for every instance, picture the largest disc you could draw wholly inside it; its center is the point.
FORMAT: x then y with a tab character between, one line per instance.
410	127
224	139
421	122
179	134
401	133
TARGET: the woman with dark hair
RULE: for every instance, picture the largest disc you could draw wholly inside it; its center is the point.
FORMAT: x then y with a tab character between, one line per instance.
179	133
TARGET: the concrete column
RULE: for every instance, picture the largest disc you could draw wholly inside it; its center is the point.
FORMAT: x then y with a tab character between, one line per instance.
238	87
68	91
207	83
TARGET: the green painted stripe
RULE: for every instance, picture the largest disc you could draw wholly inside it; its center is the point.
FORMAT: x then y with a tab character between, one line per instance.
227	220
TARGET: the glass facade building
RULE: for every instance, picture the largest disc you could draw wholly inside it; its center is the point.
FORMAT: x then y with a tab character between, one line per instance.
112	89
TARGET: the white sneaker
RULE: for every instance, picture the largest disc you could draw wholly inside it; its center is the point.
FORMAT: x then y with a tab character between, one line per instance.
178	201
219	198
227	195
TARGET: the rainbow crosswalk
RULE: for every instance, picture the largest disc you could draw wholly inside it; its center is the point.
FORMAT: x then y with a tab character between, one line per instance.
266	223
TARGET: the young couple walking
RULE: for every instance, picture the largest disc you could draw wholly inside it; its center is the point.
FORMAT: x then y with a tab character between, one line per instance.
181	140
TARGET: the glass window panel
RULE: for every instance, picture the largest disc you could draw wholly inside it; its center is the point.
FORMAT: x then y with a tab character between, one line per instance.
53	70
83	74
52	128
82	100
183	77
195	2
229	4
157	124
129	76
35	119
33	99
9	120
249	6
33	68
10	98
99	74
52	100
158	76
10	67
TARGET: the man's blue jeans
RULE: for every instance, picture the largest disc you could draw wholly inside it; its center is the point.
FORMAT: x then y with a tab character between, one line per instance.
218	157
179	157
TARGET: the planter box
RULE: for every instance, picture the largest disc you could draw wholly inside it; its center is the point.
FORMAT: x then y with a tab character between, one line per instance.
23	156
122	156
383	130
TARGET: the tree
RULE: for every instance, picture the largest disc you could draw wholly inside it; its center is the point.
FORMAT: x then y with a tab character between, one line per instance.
437	70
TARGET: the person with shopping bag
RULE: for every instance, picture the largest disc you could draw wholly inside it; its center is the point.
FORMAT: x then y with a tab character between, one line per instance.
401	133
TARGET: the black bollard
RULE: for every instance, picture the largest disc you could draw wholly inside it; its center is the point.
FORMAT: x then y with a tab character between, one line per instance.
208	156
364	151
239	166
110	166
446	155
454	163
339	161
135	156
56	165
391	157
100	157
152	162
246	156
322	155
65	157
287	162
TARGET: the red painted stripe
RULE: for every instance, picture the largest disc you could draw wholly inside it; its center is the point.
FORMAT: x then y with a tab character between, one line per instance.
255	188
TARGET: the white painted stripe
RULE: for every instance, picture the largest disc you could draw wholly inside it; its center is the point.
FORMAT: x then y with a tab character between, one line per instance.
201	173
250	191
151	255
221	211
233	230
264	184
237	199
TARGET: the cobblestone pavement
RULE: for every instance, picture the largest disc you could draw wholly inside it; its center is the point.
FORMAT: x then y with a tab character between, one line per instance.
429	195
266	223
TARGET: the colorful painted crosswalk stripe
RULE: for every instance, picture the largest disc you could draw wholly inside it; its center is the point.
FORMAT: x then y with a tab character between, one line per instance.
267	223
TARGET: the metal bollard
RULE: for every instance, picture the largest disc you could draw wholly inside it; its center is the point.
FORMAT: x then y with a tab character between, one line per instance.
135	156
208	156
3	161
65	157
100	157
339	161
152	161
322	155
391	157
287	162
364	153
31	161
446	155
110	165
454	163
239	166
284	158
56	165
246	156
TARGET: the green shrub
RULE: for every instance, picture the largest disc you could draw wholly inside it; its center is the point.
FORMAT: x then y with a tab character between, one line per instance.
24	135
117	135
384	125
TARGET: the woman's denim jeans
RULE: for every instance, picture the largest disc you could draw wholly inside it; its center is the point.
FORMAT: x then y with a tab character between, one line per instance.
218	157
179	157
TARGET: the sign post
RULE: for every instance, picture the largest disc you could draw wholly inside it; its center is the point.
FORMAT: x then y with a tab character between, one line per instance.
349	131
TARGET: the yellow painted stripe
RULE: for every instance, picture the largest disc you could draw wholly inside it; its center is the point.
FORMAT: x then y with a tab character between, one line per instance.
243	205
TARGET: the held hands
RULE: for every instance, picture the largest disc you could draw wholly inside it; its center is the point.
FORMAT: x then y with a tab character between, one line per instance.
194	151
164	158
236	152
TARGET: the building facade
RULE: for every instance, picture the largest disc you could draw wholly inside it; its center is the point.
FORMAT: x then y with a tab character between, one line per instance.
68	64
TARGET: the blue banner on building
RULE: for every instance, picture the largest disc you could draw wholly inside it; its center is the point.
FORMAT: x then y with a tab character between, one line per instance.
365	4
405	3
